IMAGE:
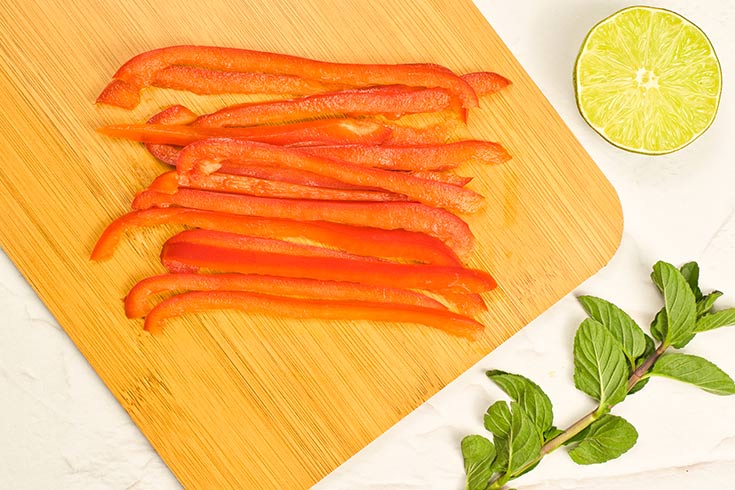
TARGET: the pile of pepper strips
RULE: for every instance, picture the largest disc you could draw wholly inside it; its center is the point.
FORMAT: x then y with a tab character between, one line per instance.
375	199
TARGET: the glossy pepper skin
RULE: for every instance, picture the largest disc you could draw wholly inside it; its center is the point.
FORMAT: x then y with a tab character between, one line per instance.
391	101
140	72
394	244
415	157
268	187
195	257
202	302
139	301
317	132
224	239
209	82
439	194
410	216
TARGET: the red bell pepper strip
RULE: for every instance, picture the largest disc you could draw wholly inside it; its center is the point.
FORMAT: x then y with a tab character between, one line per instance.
239	184
422	157
408	216
227	239
208	82
275	182
167	183
138	301
467	304
140	71
321	131
435	134
286	174
394	244
446	177
176	114
486	83
390	101
202	302
470	305
189	257
427	192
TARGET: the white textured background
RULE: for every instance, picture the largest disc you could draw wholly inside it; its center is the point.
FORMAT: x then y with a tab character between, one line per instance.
61	429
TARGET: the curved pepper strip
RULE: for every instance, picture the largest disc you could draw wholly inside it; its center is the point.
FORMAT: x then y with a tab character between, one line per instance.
210	82
394	244
486	83
140	71
421	157
227	239
202	302
176	114
138	301
191	257
317	132
391	101
409	216
427	192
239	184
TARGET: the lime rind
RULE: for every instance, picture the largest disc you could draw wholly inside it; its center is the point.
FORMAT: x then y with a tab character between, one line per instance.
647	80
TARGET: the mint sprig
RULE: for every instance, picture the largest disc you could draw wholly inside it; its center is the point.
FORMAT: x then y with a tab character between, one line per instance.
613	358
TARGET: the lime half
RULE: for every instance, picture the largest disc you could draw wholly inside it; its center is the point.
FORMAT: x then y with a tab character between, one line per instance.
647	80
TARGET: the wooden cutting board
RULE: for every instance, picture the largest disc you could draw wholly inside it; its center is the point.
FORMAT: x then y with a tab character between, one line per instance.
242	401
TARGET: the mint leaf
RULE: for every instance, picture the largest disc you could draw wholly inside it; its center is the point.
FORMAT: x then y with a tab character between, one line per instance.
658	325
607	439
524	440
478	454
517	440
600	367
528	394
619	323
690	271
679	302
705	304
722	318
497	419
694	370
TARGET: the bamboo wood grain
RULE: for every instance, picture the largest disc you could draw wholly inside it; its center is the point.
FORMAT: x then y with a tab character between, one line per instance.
243	401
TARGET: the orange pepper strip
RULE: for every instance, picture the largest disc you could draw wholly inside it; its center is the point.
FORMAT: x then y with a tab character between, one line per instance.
486	83
252	186
422	157
202	302
191	257
207	82
176	114
226	239
138	301
140	71
408	216
388	101
321	131
395	244
431	193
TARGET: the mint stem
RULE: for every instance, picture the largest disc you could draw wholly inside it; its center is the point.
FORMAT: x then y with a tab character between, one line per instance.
595	414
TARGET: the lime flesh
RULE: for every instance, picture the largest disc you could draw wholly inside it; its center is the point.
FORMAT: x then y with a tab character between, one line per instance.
647	80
